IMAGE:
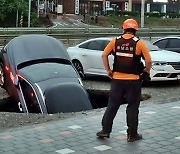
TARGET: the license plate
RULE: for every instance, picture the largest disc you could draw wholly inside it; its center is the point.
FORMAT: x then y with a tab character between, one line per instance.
178	77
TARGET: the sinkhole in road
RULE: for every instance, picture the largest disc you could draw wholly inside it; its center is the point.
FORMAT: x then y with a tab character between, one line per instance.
99	99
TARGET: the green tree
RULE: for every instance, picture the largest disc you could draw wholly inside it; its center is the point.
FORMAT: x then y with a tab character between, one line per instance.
8	12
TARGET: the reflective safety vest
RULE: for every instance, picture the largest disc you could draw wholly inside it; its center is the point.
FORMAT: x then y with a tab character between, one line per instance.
125	58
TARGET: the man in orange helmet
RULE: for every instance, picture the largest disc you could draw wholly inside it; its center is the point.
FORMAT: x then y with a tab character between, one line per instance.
128	51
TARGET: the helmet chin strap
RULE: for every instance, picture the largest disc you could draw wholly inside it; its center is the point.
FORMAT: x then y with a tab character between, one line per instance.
125	31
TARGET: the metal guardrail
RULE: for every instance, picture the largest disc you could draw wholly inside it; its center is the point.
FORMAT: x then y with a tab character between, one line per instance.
68	34
92	29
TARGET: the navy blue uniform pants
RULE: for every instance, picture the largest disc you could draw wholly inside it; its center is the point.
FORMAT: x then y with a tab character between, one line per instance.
123	91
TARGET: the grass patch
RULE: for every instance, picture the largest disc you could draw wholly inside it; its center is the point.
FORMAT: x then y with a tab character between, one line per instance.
116	21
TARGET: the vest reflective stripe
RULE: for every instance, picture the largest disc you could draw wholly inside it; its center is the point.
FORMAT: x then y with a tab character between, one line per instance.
124	54
135	39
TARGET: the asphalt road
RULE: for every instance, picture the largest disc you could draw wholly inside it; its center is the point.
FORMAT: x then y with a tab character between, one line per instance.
69	21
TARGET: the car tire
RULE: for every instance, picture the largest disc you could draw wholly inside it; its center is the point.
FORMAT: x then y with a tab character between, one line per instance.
2	76
79	68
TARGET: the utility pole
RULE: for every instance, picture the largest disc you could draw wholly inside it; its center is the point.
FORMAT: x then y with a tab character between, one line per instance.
142	13
17	18
129	5
21	20
45	7
38	8
29	14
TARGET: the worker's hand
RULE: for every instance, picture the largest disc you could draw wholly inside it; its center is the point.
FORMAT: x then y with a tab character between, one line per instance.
109	73
145	77
145	70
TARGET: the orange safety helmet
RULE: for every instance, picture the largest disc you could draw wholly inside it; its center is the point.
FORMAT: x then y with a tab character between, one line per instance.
130	23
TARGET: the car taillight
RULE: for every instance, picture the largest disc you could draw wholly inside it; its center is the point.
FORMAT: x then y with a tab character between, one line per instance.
32	94
7	68
11	76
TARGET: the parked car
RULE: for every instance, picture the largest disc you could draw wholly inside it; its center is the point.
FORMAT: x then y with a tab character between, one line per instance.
86	57
171	43
38	74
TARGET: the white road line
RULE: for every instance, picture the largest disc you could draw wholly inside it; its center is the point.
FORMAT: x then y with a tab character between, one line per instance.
76	24
61	24
54	24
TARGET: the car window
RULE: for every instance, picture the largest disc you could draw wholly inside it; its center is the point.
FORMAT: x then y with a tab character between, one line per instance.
104	44
31	100
162	43
174	43
95	45
44	71
84	45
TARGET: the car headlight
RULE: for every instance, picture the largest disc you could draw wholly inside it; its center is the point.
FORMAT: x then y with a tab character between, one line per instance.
158	66
157	63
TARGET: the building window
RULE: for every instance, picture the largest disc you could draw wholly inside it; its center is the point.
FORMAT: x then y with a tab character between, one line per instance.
91	8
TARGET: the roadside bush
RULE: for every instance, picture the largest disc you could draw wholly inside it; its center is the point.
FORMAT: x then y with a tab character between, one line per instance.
128	13
174	15
123	13
137	14
166	15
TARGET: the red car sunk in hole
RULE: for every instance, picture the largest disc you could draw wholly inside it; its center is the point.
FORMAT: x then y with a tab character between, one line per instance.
38	74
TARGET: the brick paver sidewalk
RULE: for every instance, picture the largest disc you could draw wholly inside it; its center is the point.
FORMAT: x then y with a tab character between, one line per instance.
159	124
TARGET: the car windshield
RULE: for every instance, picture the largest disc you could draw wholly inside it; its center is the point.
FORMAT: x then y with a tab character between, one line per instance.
44	71
152	47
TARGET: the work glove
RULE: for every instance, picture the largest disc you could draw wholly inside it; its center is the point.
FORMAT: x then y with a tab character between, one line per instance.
145	77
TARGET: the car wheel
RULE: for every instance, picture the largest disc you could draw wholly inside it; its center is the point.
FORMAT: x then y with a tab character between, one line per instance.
2	76
79	68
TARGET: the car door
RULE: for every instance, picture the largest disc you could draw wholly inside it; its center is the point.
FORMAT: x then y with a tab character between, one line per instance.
28	99
93	56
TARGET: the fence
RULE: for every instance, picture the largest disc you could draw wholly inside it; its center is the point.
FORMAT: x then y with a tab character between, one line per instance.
75	35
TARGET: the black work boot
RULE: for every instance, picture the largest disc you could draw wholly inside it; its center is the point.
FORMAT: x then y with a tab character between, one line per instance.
103	134
132	138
